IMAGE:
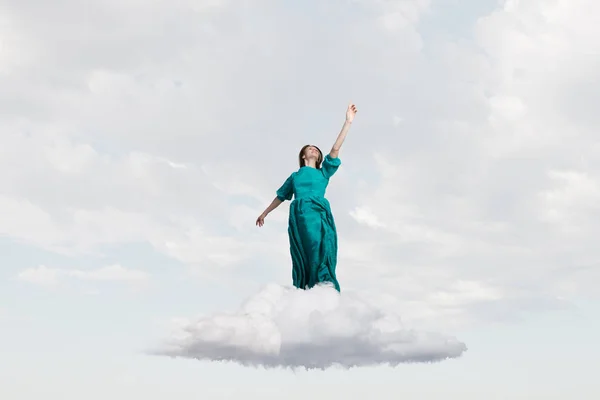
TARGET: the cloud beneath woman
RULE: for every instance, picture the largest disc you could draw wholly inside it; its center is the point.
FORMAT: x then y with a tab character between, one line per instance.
317	328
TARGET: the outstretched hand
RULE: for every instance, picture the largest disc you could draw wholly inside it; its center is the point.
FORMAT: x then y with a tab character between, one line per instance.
260	221
351	112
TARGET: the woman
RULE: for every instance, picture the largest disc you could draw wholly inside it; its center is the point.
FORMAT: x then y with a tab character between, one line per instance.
311	227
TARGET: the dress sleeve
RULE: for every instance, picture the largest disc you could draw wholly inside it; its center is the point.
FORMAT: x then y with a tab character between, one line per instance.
330	166
286	190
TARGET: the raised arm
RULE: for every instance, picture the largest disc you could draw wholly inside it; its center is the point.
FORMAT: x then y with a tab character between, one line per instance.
350	113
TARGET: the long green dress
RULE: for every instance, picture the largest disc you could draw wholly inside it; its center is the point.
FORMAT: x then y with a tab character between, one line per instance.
311	227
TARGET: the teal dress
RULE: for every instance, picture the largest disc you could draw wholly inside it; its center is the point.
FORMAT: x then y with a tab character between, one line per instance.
311	227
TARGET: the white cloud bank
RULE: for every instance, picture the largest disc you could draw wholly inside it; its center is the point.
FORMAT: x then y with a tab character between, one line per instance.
48	276
317	328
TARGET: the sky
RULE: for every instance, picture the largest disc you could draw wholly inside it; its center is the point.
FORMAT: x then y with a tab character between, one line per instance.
140	140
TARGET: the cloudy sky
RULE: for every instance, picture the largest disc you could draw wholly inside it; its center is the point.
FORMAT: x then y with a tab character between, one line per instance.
141	139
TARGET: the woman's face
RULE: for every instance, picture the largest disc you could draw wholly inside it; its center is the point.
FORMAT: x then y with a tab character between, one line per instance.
312	152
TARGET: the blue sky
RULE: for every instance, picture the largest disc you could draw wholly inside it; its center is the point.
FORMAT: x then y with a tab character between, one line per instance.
140	141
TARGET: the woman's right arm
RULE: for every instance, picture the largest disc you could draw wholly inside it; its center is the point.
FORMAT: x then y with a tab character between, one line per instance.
274	204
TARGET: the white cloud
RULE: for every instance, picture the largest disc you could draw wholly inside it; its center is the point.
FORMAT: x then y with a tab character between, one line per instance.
111	273
317	328
398	15
576	191
366	216
41	275
46	276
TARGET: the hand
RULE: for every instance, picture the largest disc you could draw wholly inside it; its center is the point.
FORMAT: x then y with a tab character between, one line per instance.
260	221
351	112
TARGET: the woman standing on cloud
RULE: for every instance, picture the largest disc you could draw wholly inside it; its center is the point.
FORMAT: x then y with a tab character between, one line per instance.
311	227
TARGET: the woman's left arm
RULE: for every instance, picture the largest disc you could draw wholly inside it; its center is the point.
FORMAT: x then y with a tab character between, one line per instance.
350	113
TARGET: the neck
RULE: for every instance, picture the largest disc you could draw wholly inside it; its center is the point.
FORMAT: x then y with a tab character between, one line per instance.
310	163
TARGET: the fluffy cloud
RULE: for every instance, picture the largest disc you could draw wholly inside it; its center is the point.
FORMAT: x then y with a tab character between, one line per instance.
317	328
